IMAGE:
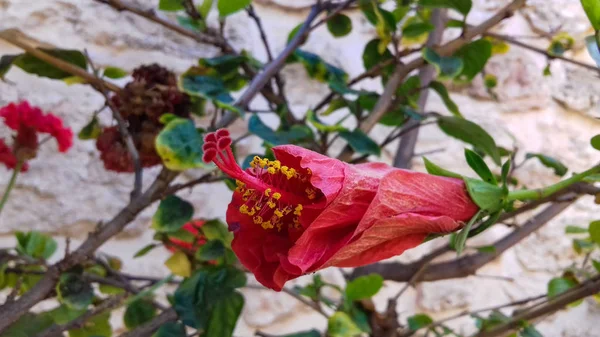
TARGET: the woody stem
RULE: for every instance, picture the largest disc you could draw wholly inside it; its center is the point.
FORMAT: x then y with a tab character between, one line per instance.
11	184
540	193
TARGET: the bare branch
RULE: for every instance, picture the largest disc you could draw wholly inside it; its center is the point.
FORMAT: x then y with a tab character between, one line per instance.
149	328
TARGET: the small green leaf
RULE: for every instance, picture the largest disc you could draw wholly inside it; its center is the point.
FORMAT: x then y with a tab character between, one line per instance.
530	331
594	231
216	230
559	168
172	213
582	246
205	8
596	265
480	167
309	333
559	285
98	325
416	29
6	62
295	134
419	321
596	142
461	237
35	244
341	325
114	72
171	5
179	145
91	131
224	316
485	195
179	264
438	171
462	6
171	329
474	56
471	133
487	249
592	10
33	65
145	250
339	25
372	57
561	42
360	142
593	49
293	32
228	7
490	81
364	287
490	221
443	92
211	250
74	291
576	230
138	312
314	120
446	67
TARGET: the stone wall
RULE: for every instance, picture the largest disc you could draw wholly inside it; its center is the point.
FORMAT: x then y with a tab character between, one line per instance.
67	195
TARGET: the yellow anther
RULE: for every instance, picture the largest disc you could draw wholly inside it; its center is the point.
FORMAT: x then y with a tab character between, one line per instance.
258	219
239	183
267	192
271	170
244	209
311	196
267	225
263	162
298	210
276	164
284	169
278	213
287	210
271	204
290	173
308	171
258	207
276	196
299	207
252	212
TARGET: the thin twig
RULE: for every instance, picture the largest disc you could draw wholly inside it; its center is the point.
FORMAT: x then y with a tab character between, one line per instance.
147	329
413	280
299	297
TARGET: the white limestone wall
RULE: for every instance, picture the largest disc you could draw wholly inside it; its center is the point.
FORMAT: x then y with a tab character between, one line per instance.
66	195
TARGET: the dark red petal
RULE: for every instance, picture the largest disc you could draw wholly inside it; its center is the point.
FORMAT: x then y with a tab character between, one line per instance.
209	155
222	133
210	137
223	143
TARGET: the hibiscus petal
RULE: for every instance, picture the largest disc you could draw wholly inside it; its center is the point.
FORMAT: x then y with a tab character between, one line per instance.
391	237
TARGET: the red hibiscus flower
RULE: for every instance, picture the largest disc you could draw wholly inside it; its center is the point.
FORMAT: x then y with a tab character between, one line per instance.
305	211
28	121
192	227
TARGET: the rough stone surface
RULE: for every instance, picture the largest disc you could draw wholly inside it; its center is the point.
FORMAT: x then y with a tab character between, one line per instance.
67	195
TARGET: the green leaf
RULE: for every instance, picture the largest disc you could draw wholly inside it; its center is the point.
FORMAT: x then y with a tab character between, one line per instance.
309	333
594	230
29	325
419	321
216	230
139	312
491	220
461	237
293	32
295	134
98	325
438	171
211	250
530	331
480	167
596	142
171	329
339	25
314	120
471	133
487	249
91	131
446	67
485	195
559	168
559	285
411	90
474	56
205	8
341	325
364	287
224	316
596	265
179	264
462	6
490	81
171	5
228	7
6	62
576	230
191	23
372	57
416	29
360	142
179	145
593	49
74	291
561	42
443	92
172	213
63	314
317	68
114	72
33	65
211	88
35	245
592	10
583	246
145	250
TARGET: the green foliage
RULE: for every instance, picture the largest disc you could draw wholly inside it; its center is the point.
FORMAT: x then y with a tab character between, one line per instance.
98	325
594	230
341	325
561	42
114	72
583	246
29	325
471	133
316	122
216	230
575	230
179	264
74	291
317	68
210	88
91	130
592	46
211	250
363	287
208	299
173	212
139	312
529	331
179	145
416	29
438	171
35	245
296	134
446	67
360	142
559	285
339	25
462	6
592	10
171	329
559	168
419	321
595	141
171	5
372	56
474	56
461	237
309	333
228	7
33	65
490	81
488	197
443	92
480	167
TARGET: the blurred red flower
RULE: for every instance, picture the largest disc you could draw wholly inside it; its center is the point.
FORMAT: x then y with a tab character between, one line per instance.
305	211
192	227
